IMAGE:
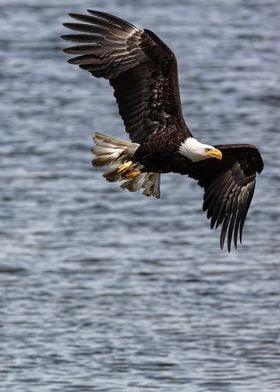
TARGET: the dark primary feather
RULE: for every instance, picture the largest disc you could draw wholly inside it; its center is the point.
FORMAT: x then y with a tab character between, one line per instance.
139	66
229	187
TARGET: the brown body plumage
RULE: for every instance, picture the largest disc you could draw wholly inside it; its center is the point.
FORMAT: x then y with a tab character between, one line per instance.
143	72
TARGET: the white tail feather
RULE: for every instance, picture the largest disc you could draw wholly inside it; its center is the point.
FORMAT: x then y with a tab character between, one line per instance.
117	155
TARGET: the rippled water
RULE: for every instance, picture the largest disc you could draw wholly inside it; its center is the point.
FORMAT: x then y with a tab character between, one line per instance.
102	290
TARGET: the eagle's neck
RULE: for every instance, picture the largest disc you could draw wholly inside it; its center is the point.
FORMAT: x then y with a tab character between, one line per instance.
195	151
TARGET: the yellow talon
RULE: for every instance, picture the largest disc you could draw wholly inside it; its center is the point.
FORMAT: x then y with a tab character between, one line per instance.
131	175
124	167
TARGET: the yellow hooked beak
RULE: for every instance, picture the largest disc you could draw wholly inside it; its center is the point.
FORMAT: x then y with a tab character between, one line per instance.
214	153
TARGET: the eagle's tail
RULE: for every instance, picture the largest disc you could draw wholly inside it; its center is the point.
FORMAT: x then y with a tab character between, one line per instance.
117	155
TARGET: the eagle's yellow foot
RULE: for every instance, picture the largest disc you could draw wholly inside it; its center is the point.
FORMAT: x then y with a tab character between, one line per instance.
130	175
124	167
128	170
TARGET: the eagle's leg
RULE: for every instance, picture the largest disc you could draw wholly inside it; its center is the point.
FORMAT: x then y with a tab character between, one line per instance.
129	170
117	155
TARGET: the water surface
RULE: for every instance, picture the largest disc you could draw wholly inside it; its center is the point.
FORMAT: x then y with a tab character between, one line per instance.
103	290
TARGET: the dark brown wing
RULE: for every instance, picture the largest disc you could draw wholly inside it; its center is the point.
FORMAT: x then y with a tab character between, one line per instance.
139	66
229	187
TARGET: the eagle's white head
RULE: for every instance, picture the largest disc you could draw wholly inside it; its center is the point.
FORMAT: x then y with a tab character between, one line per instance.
196	151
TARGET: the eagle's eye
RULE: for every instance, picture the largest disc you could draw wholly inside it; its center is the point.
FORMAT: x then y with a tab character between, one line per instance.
207	149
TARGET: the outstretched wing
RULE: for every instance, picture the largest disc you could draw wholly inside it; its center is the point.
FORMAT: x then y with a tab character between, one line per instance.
139	66
229	187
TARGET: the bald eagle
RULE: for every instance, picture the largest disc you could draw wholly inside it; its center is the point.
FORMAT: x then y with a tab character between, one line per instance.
143	73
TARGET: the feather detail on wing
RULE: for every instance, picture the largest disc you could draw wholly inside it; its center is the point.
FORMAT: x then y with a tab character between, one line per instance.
139	66
229	186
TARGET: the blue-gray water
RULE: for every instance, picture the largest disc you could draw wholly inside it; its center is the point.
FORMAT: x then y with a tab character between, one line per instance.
103	290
